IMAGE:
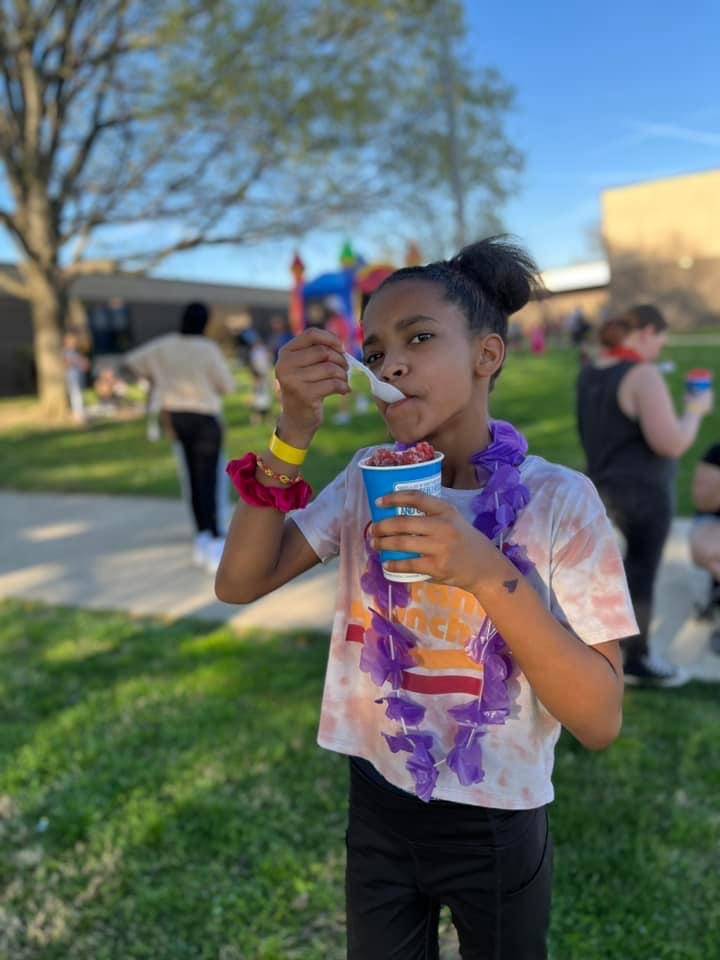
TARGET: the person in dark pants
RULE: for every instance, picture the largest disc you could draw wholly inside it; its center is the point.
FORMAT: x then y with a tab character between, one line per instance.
632	438
484	864
189	376
446	692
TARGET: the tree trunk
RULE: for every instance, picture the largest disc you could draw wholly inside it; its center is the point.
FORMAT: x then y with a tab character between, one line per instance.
48	309
448	81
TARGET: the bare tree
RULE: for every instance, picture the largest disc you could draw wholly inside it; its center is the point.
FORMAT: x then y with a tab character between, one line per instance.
61	97
184	123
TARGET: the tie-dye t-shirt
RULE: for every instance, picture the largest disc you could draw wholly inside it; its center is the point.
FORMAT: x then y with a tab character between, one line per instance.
579	576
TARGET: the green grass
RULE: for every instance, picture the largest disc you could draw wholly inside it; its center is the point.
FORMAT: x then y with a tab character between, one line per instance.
162	797
536	393
116	457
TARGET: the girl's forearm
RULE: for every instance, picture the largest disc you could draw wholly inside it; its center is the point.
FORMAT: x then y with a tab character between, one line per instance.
254	540
578	685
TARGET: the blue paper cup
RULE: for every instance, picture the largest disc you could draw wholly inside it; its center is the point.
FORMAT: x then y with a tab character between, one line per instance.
379	481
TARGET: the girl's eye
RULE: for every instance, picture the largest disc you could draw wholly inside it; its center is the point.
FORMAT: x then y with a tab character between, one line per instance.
418	338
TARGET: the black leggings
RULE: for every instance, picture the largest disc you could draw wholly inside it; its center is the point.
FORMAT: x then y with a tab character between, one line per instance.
406	859
200	436
643	513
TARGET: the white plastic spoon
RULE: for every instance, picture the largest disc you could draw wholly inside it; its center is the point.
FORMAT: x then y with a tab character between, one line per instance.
380	389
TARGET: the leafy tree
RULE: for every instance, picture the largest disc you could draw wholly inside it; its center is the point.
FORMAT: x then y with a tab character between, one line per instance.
134	129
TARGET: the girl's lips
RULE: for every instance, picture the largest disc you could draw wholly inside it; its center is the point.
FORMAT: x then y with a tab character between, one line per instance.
400	405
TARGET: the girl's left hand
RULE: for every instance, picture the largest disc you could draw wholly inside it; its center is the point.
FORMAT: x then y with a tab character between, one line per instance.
453	551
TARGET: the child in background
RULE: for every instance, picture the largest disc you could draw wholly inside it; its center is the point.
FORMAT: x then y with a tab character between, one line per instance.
76	368
448	696
261	366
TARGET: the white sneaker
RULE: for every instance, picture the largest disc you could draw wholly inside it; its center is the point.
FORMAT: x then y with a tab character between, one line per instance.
213	554
653	671
200	548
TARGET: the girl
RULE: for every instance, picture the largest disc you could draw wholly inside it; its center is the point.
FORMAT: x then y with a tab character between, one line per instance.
632	439
447	695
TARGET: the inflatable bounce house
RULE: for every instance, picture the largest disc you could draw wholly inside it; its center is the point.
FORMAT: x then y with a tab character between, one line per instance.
336	300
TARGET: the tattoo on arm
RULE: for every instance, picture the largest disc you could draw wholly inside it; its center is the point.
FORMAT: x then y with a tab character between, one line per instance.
510	585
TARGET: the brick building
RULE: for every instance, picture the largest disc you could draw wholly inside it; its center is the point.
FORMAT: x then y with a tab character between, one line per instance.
662	240
663	245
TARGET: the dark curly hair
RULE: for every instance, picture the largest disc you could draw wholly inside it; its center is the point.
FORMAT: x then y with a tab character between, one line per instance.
488	280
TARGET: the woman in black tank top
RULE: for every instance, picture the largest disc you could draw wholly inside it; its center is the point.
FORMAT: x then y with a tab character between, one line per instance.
632	439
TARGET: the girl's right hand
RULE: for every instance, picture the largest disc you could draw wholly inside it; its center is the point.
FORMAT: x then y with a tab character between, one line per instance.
310	367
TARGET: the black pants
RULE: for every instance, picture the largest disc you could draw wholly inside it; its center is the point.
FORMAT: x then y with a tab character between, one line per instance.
200	436
405	859
643	513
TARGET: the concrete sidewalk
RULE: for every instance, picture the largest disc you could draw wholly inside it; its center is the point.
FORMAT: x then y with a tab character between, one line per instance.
134	554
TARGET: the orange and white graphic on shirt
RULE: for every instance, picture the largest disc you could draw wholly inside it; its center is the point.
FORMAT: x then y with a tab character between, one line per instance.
444	619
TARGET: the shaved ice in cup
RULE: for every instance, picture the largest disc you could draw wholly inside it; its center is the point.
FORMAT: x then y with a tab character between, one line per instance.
418	467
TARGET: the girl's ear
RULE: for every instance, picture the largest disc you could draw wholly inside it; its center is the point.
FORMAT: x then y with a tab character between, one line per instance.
489	355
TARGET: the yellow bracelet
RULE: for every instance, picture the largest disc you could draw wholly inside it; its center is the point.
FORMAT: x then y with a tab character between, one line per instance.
283	451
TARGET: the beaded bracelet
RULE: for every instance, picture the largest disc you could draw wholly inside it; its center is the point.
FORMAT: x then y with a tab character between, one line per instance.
281	477
257	494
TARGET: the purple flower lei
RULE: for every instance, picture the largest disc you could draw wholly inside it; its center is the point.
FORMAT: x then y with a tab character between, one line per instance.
386	651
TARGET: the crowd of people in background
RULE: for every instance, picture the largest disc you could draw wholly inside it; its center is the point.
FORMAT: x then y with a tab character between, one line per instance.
629	431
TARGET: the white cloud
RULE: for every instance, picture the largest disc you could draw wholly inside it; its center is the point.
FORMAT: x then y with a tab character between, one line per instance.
671	131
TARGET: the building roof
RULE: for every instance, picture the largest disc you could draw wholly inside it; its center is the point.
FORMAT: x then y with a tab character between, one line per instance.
136	287
579	276
677	178
159	290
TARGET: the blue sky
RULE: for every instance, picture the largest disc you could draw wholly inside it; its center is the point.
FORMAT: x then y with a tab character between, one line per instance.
607	94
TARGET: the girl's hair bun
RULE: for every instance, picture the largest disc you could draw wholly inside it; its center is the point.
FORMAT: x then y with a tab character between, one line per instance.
504	271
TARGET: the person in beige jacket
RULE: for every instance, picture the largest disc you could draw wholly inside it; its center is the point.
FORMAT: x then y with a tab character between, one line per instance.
189	376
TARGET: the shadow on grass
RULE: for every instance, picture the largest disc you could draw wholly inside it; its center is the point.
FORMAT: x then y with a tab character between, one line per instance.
187	812
184	796
636	832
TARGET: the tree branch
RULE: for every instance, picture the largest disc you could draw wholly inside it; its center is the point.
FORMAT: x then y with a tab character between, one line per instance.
85	268
97	126
60	101
9	221
16	288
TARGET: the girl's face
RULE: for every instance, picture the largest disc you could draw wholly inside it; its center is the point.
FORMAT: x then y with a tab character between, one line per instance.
416	340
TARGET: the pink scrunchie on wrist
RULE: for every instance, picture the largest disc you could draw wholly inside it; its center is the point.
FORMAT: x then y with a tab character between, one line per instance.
242	473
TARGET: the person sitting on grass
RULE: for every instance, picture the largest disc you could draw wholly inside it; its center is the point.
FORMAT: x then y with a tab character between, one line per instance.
447	695
705	531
